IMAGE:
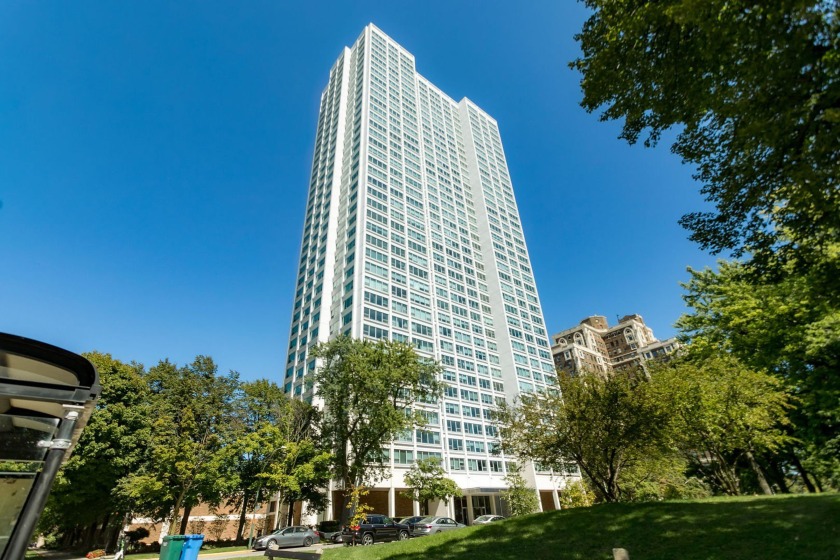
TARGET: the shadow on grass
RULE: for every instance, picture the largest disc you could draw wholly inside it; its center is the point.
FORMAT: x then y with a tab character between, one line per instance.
801	527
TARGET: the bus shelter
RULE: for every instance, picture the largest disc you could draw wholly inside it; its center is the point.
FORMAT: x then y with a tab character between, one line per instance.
46	396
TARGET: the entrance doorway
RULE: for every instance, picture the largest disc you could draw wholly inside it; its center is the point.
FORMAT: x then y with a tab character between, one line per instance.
461	514
481	506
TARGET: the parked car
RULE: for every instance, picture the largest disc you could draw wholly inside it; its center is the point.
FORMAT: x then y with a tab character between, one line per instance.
290	536
330	531
434	524
485	519
410	521
375	528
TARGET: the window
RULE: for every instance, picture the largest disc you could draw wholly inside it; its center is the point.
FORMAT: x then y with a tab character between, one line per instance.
374	332
453	426
375	315
428	455
475	429
471	412
403	456
456	464
432	418
477	465
469	395
456	444
475	446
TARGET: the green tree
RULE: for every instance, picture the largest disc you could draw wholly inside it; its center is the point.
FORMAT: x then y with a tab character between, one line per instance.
427	481
302	474
724	413
265	427
191	407
369	391
519	497
84	507
753	90
606	424
790	328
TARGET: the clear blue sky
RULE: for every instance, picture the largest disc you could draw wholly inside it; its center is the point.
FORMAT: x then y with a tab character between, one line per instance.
154	163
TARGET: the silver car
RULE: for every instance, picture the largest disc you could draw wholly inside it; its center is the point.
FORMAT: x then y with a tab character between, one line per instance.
434	524
485	519
290	536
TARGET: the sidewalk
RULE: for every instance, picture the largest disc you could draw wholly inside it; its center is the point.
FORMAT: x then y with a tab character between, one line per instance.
292	553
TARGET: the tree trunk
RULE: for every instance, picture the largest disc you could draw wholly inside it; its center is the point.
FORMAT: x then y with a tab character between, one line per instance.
96	538
102	532
725	474
759	473
777	474
176	513
185	520
278	504
90	532
291	517
120	535
804	474
242	517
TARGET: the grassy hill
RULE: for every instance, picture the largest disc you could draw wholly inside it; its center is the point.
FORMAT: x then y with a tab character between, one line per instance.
803	527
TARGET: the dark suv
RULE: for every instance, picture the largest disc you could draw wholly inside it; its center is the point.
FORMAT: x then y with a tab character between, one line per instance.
375	528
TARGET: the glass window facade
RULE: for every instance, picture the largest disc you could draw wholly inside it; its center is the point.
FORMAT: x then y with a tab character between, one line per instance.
412	233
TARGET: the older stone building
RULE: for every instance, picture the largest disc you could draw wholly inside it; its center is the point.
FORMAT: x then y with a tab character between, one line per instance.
595	346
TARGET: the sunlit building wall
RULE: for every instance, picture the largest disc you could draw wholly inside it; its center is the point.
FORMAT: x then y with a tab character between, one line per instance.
412	233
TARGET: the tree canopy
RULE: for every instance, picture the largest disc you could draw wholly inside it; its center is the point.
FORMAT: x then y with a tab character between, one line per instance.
271	449
84	505
752	89
790	328
606	424
723	413
369	391
191	406
518	496
427	481
160	441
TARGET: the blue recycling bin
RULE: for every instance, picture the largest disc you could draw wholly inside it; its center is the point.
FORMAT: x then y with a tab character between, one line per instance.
181	547
191	547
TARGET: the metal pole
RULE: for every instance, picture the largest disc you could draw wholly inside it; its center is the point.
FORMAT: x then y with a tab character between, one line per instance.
22	532
253	515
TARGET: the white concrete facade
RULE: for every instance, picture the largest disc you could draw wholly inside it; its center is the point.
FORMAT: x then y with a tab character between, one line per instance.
412	233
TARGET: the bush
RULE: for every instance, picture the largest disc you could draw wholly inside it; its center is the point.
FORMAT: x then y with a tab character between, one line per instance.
576	494
133	537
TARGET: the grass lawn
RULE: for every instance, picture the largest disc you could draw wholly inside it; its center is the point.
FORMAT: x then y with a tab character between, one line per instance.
803	527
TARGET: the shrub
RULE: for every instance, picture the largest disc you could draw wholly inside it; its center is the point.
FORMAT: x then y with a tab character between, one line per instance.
576	494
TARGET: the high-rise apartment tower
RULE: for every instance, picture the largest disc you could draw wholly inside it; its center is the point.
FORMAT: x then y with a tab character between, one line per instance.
412	233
